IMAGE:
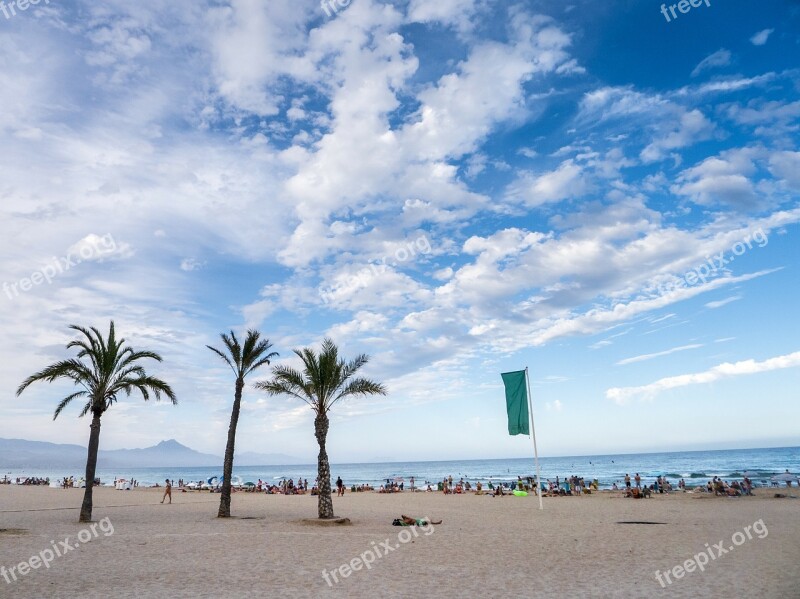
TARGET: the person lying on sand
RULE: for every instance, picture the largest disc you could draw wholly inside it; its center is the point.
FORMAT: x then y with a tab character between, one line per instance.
417	521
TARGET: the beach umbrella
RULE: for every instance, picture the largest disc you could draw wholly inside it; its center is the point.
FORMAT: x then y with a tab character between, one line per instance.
249	484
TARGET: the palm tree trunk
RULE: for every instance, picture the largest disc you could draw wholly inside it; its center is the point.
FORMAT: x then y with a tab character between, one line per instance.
227	470
91	467
325	506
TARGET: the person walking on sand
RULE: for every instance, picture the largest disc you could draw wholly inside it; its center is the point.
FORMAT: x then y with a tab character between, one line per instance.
167	491
339	487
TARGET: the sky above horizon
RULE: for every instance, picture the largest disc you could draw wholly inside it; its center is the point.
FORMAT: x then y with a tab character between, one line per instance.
602	192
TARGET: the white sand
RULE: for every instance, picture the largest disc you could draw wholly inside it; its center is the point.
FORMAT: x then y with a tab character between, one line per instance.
486	546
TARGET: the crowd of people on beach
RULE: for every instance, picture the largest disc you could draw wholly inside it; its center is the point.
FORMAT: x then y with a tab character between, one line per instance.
33	480
285	487
661	485
568	486
734	489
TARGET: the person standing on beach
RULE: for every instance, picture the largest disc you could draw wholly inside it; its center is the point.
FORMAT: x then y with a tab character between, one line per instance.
167	491
627	481
638	480
339	487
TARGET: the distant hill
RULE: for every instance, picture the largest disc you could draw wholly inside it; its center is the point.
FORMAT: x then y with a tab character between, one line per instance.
18	453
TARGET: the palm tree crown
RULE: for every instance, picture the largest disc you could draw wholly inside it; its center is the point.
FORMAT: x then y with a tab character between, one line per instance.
112	369
244	359
325	378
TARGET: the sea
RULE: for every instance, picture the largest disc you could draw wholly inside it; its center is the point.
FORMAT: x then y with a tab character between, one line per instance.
695	467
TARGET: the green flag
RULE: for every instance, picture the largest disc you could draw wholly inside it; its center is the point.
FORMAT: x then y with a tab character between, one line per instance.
516	402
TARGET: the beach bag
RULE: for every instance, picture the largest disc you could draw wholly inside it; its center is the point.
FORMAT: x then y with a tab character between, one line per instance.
398	522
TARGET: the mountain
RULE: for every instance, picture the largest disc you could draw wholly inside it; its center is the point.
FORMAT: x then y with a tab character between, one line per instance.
166	453
18	453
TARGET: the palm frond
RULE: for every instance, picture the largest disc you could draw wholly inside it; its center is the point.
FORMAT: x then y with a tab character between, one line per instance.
234	349
262	362
288	381
72	369
86	409
224	357
150	384
64	402
359	386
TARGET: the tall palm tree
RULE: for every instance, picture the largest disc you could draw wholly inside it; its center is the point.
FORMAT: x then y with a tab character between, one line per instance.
111	368
243	360
325	379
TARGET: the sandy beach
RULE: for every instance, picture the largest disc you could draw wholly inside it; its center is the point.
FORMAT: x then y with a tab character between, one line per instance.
586	546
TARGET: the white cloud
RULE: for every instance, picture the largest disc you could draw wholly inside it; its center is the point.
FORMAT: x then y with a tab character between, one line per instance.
723	179
97	248
720	58
692	127
190	264
667	352
621	395
456	13
253	44
760	38
568	181
786	166
723	302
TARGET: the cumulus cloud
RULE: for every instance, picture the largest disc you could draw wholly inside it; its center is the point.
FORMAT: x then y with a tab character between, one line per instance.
760	38
723	179
568	181
786	166
555	406
190	264
693	126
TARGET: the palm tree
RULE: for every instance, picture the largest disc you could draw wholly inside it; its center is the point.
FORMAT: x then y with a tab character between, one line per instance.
243	361
325	380
111	368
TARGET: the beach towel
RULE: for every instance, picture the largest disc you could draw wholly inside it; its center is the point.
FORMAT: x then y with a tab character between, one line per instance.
399	522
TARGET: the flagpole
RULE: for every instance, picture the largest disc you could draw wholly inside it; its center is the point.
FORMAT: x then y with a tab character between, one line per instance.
533	434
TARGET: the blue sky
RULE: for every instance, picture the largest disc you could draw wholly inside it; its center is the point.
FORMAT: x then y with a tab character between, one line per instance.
456	188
